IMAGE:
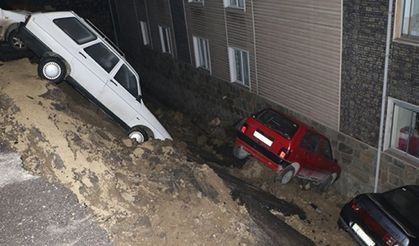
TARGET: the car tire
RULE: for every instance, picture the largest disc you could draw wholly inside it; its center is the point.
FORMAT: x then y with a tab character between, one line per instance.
138	134
325	185
15	41
239	152
52	69
286	175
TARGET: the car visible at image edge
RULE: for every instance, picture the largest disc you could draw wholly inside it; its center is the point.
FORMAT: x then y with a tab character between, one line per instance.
390	218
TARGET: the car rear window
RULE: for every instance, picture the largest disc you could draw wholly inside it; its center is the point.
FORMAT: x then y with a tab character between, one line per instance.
103	56
75	29
278	123
404	202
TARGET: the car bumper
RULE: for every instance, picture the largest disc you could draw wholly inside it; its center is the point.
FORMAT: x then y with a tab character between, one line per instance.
350	222
268	158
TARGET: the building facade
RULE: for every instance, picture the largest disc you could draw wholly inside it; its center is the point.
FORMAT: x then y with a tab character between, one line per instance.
322	62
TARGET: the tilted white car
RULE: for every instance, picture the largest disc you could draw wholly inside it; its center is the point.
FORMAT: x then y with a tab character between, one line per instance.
9	23
74	50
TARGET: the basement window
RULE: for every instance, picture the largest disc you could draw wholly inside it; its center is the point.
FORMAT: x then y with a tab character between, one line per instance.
402	133
239	66
165	40
197	1
202	53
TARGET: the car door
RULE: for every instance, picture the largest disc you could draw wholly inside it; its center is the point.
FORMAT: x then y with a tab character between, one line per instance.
308	146
326	163
121	93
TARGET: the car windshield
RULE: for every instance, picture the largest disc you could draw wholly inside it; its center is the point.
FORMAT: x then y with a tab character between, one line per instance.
404	202
278	123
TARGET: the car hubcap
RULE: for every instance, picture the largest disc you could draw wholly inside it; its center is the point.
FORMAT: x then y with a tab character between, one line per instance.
51	70
18	43
137	136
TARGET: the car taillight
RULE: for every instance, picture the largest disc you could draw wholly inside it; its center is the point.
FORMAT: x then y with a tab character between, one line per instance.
243	128
374	225
283	153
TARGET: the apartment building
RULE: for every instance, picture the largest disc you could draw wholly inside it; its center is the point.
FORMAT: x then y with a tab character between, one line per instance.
322	61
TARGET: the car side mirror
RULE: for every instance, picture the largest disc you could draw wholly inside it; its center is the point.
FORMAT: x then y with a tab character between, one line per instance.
140	98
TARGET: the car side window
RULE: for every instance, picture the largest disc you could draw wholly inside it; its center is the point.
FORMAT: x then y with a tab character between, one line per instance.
103	56
324	149
75	29
310	141
127	79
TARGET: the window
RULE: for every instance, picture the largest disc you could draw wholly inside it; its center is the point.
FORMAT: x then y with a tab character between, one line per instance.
410	22
310	141
235	3
402	133
75	29
278	123
144	33
202	54
127	79
196	1
165	40
239	66
103	56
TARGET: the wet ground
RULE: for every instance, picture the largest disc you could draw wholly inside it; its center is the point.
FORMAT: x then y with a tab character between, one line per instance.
159	192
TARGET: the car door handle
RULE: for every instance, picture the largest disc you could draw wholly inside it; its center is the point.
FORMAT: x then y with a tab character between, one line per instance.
113	82
82	55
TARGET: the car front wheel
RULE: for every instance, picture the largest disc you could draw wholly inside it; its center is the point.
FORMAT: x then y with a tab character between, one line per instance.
138	134
52	69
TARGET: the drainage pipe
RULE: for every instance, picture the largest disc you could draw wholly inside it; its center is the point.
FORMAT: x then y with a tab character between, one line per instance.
384	96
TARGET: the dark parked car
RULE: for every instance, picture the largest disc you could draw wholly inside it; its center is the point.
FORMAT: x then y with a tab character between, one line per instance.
390	218
288	147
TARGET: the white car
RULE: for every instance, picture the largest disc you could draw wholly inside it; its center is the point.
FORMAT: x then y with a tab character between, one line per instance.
74	50
9	23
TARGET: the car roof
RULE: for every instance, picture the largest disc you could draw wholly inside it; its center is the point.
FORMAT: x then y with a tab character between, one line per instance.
413	188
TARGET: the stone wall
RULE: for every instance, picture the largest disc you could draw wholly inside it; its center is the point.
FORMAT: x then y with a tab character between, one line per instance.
194	92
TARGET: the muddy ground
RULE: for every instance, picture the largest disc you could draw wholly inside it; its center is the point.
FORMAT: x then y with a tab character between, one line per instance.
158	193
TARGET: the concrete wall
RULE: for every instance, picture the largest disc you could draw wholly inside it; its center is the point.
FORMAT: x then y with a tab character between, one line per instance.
191	91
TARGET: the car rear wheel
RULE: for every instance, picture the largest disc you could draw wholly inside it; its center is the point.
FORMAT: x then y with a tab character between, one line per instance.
138	134
325	185
286	175
15	41
52	69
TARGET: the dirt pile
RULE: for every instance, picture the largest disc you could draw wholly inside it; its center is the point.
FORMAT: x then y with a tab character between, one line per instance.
148	195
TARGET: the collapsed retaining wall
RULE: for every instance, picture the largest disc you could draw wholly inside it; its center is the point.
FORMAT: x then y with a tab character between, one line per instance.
194	92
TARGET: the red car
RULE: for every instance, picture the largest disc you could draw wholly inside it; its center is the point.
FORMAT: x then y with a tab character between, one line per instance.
288	147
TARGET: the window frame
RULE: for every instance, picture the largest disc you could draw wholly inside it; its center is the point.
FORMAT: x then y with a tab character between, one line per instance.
398	26
391	103
165	35
145	34
197	52
233	70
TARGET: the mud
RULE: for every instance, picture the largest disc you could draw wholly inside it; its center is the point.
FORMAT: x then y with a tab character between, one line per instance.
142	195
